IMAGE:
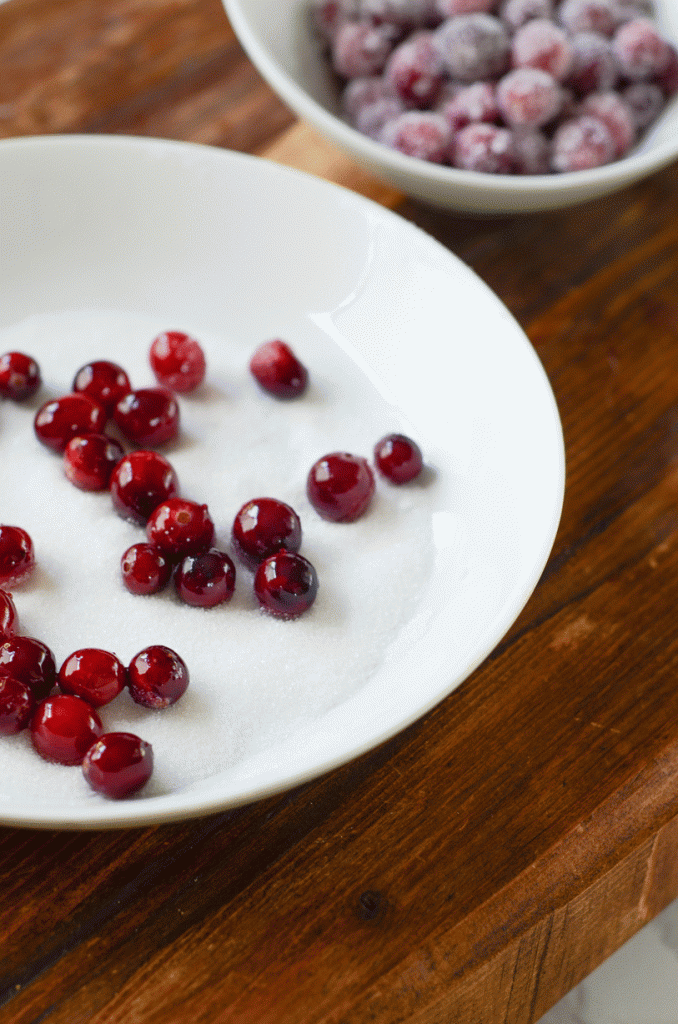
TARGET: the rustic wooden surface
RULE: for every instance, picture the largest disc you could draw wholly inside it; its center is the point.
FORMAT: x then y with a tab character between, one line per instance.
477	866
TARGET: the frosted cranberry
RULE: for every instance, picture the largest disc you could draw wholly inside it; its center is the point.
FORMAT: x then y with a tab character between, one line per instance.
541	44
340	486
667	79
145	570
451	8
594	65
399	458
17	557
118	764
19	376
616	115
89	461
641	51
374	116
588	16
473	47
180	527
415	70
60	419
29	660
9	618
420	134
518	12
361	92
286	585
95	675
361	48
140	482
531	152
264	526
406	14
206	579
158	677
103	381
178	361
581	143
528	98
484	148
148	416
277	369
473	103
17	705
63	729
328	15
646	102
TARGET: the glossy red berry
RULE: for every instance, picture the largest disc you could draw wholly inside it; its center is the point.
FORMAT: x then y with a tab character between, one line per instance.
103	381
29	660
158	677
278	371
63	729
140	482
60	419
178	361
264	526
340	486
17	705
180	527
148	416
9	618
206	579
89	461
17	557
95	675
145	570
398	458
118	764
286	585
19	376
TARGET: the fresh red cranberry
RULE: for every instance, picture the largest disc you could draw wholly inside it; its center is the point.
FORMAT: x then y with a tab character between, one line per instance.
340	486
60	419
64	728
17	557
103	381
178	361
17	705
398	458
19	376
148	416
286	585
264	526
145	570
95	675
278	371
140	482
89	461
9	618
29	660
206	579
180	527
118	764
158	677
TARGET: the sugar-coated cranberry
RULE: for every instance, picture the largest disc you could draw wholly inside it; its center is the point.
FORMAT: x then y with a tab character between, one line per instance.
484	147
9	618
60	419
646	102
420	134
515	13
406	14
103	381
118	764
140	482
64	727
145	570
615	113
667	80
415	70
473	103
17	705
328	15
29	660
148	416
398	458
19	376
361	48
588	16
206	579
286	585
594	66
473	47
95	675
372	118
641	51
17	556
277	369
158	677
89	461
178	361
528	97
264	526
581	143
340	486
180	527
542	44
362	92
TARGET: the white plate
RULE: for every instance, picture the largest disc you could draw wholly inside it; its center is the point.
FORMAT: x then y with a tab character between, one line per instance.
105	241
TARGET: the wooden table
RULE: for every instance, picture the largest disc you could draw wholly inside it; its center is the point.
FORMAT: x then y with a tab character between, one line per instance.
476	867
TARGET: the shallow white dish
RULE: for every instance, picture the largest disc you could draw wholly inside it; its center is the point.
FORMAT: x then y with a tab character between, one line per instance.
281	42
107	240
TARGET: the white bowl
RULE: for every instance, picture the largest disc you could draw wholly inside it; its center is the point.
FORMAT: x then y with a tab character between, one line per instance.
281	42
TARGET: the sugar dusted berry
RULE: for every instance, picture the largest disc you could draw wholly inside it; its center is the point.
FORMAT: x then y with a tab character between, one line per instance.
60	419
582	143
473	47
373	117
278	371
180	527
103	381
515	13
361	48
414	71
19	376
473	103
206	579
140	482
9	618
528	98
17	557
398	458
531	152
158	677
286	585
542	44
63	729
420	134
89	461
29	660
588	16
264	526
178	361
17	705
148	416
145	570
594	66
485	148
615	113
95	675
118	764
645	101
340	486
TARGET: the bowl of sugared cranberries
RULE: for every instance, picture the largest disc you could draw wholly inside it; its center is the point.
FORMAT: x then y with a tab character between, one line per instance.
485	106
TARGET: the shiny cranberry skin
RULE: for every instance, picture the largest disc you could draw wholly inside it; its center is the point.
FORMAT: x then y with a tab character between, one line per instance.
178	361
180	527
264	526
29	660
340	486
118	764
17	557
278	371
9	618
95	675
145	570
206	579
286	585
64	727
17	705
398	458
60	419
89	461
158	677
140	482
19	376
148	416
103	381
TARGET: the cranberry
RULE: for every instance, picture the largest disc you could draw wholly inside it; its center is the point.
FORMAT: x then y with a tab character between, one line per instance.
180	527
485	148
29	660
177	360
594	65
145	570
374	116
89	461
19	376
64	728
363	92
140	482
361	48
206	579
95	675
286	585
531	152
581	143
278	371
528	97
398	458
588	16
471	104
641	51
103	381
148	416
420	134
340	486
17	557
118	764
541	44
158	677
17	705
515	13
415	70
9	618
617	116
60	419
264	526
473	47
645	101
